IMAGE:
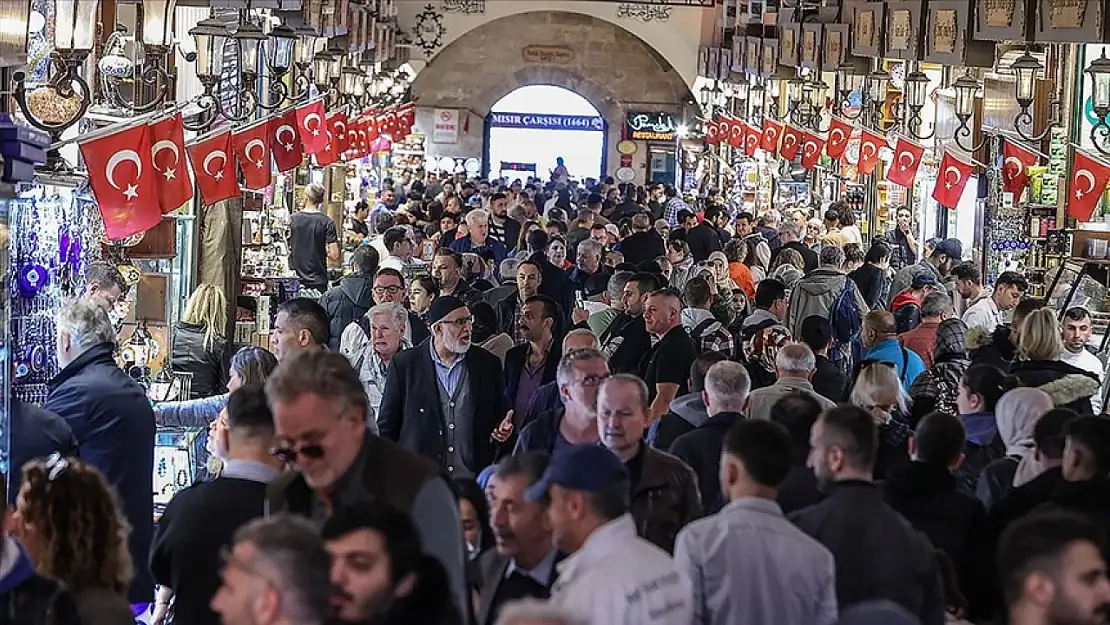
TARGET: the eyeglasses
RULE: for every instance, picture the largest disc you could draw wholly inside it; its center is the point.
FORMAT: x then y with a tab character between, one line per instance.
392	290
461	322
55	466
288	452
592	380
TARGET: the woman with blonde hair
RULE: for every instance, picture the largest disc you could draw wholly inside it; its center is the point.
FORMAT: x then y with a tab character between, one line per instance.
1039	348
199	345
1016	413
879	391
70	522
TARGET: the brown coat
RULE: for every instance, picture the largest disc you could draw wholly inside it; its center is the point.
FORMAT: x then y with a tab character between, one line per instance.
665	499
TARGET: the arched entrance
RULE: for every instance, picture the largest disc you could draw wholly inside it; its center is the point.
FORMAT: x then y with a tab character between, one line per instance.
532	126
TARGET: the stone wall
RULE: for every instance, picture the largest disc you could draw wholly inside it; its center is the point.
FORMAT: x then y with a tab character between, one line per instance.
612	68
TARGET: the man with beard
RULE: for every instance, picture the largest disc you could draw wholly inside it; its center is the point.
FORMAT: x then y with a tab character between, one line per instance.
1052	571
533	363
626	341
502	227
444	400
878	554
379	573
1077	332
946	255
529	277
524	560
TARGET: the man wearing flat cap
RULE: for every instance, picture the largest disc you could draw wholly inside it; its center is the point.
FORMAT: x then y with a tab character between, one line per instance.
444	399
612	576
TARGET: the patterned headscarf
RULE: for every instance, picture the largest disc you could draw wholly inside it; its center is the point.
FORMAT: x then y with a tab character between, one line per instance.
951	335
763	347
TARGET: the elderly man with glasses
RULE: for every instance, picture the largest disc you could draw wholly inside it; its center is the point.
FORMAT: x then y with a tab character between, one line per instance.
320	420
444	399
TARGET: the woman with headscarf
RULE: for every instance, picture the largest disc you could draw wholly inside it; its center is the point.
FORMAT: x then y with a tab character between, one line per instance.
1017	414
936	389
736	255
760	352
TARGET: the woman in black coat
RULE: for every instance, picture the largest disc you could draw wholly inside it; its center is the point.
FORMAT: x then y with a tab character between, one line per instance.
199	345
871	276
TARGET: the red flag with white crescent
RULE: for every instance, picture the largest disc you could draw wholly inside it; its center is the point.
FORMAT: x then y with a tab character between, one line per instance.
167	158
1088	182
791	142
311	126
337	124
752	138
907	158
811	149
772	131
736	135
711	132
1015	161
952	177
285	142
122	179
252	150
840	132
869	145
214	168
406	118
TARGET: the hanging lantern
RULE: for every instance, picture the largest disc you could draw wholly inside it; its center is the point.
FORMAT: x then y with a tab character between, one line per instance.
321	67
307	44
1025	71
282	40
1099	72
249	36
916	85
158	23
74	25
849	80
876	85
965	87
210	35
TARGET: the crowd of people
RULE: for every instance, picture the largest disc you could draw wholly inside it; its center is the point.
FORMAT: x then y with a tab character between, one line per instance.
639	412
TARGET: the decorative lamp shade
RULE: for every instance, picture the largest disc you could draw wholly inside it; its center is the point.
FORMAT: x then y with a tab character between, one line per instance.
337	57
1025	71
876	85
817	89
849	79
795	88
965	87
249	37
321	67
1100	83
306	44
282	39
210	35
74	24
917	83
158	22
351	79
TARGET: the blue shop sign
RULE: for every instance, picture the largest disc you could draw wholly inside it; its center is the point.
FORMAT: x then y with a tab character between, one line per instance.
546	122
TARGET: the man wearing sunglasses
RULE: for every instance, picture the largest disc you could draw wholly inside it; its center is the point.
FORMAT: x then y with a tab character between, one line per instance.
444	399
320	411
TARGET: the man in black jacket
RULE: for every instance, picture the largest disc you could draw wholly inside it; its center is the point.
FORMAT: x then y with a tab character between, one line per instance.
643	244
829	381
704	238
533	363
687	411
444	399
878	554
726	396
186	547
626	341
353	296
797	412
35	433
790	233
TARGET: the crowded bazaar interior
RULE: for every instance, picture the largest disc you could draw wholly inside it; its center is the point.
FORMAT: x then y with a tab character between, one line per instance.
554	312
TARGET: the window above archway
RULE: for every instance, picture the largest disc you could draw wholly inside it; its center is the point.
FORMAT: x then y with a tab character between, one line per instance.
544	99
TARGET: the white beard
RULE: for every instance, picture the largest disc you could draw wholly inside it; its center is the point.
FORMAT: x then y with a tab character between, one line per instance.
455	346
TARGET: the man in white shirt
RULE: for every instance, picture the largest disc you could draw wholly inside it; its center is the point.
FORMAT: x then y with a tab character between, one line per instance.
748	563
988	313
612	577
399	241
1077	332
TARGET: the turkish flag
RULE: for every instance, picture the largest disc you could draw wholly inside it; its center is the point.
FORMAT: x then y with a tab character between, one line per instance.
214	168
370	125
1014	163
952	177
751	140
285	143
252	150
1088	182
840	132
771	133
386	121
811	149
907	158
311	122
121	175
869	144
791	141
736	135
167	147
337	125
711	132
330	154
406	118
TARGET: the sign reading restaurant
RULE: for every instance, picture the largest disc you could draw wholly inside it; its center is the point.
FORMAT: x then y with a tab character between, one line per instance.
650	126
546	122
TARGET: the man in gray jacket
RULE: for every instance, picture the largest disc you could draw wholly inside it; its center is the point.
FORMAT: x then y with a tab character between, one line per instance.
795	365
816	294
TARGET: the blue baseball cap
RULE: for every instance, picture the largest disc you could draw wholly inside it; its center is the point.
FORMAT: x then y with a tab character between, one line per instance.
588	468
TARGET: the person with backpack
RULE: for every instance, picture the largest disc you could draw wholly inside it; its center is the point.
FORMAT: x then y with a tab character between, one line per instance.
828	292
708	333
880	339
353	296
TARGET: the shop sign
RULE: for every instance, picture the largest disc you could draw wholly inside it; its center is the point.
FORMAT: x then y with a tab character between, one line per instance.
944	32
547	54
546	122
650	126
446	128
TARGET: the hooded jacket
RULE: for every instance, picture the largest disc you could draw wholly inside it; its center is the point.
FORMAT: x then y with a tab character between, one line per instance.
937	386
687	412
1068	386
345	303
992	348
816	293
907	311
708	333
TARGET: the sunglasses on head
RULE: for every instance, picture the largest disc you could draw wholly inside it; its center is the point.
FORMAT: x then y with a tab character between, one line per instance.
288	452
